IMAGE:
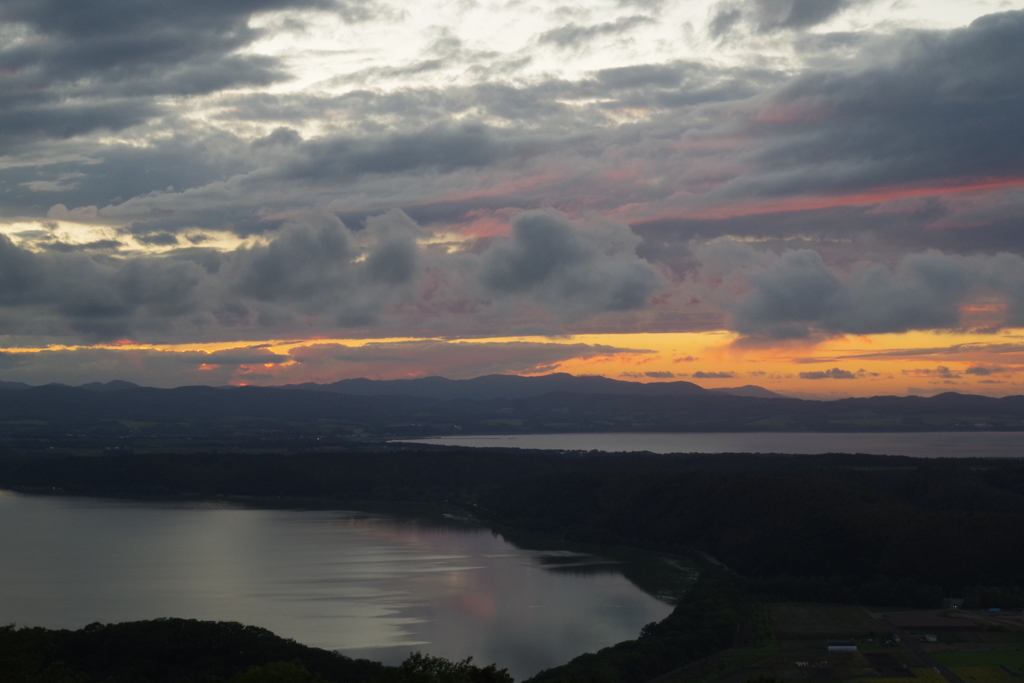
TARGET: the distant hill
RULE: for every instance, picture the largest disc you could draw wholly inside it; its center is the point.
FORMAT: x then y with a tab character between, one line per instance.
114	385
48	416
507	386
751	390
486	387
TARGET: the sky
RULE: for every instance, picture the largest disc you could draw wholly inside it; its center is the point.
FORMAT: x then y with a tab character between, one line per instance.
821	197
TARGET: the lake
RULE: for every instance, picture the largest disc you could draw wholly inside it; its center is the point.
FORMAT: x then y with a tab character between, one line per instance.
913	444
369	585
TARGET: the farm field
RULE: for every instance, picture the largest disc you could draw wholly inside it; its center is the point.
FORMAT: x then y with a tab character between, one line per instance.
986	674
1013	659
799	621
802	632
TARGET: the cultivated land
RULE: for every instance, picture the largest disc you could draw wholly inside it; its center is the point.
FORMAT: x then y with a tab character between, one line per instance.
973	648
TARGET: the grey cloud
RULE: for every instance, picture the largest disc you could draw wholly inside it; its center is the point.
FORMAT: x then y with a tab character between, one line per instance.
316	273
243	357
660	374
61	119
766	16
574	271
653	5
163	239
664	75
98	297
71	53
306	261
941	371
834	373
281	135
946	108
726	18
394	255
982	371
106	176
573	35
440	148
795	294
700	374
97	245
315	265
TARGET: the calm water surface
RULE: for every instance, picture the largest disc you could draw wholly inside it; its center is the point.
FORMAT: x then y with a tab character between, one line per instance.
369	585
918	444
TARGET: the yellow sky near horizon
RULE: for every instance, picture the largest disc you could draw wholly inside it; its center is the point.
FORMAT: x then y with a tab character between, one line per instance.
921	363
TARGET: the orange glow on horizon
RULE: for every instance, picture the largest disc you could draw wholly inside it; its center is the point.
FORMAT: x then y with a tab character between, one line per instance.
857	365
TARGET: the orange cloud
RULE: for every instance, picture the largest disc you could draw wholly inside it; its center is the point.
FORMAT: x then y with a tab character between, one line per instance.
865	198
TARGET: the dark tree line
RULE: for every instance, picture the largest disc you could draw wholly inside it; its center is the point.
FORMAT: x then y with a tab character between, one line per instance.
190	651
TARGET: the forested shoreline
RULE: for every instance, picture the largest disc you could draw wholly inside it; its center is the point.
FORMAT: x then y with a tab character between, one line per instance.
838	528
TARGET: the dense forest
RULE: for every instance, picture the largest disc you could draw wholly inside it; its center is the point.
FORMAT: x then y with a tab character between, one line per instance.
190	651
868	529
718	612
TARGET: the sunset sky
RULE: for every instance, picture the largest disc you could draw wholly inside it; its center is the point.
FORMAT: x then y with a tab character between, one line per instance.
821	197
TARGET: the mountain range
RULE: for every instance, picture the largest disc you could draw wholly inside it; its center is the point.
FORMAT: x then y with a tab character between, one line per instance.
514	386
121	416
485	387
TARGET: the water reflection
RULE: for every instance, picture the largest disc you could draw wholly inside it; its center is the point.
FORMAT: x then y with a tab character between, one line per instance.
912	444
368	584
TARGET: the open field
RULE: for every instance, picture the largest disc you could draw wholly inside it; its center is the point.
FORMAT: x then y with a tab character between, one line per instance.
1013	659
921	675
800	621
986	674
802	632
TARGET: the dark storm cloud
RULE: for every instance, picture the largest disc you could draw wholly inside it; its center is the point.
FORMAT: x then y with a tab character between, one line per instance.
307	260
574	35
120	171
440	148
794	294
834	373
577	271
96	297
948	107
20	119
75	58
315	265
